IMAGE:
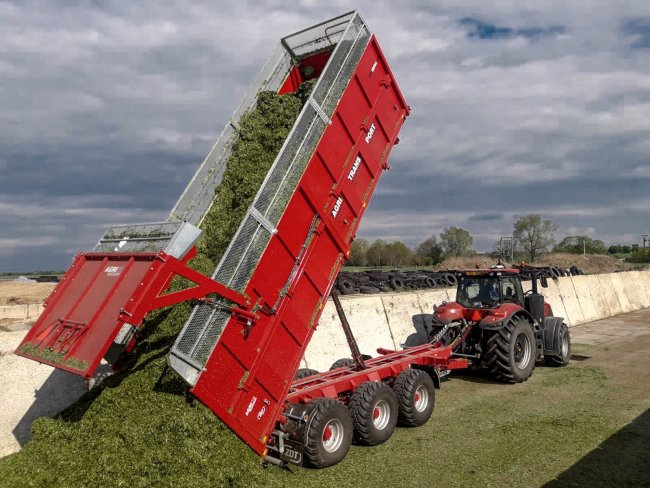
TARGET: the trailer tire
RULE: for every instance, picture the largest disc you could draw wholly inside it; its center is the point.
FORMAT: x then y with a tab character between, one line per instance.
303	373
342	363
415	397
511	351
373	407
328	435
565	349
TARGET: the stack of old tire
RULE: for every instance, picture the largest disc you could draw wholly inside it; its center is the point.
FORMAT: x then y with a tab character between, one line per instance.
527	272
376	281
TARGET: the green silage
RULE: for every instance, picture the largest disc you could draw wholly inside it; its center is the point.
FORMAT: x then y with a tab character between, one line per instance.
262	133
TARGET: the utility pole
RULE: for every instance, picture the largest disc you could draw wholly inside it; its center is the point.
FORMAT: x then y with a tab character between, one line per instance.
645	239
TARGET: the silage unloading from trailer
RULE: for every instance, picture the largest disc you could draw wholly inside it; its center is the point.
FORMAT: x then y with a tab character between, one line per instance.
334	49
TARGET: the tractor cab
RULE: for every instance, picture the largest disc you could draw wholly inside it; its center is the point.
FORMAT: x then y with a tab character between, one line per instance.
489	288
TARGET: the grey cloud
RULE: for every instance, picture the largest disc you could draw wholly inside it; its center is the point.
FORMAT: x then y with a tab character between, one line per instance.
108	108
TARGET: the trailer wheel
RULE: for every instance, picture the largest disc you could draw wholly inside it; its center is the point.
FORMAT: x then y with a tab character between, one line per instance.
415	396
328	435
342	363
373	407
303	373
565	349
511	351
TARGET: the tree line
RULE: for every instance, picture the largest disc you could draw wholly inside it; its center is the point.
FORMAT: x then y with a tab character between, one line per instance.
532	236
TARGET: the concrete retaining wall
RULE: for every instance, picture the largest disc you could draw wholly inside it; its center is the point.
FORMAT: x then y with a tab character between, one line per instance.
393	320
21	312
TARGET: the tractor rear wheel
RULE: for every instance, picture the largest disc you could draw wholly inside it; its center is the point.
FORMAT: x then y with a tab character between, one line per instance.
328	435
511	351
415	397
565	349
373	407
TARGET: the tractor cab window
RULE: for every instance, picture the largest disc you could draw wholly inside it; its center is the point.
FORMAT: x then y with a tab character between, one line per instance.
510	291
476	292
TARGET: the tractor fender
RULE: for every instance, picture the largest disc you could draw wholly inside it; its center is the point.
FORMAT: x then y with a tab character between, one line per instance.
552	330
489	323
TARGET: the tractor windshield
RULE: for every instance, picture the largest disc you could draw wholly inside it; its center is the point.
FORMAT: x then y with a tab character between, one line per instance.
478	291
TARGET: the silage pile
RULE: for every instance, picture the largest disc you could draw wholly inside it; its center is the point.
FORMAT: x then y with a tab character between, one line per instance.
136	428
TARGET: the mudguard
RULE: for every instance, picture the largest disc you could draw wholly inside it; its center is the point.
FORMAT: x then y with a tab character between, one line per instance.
552	330
493	322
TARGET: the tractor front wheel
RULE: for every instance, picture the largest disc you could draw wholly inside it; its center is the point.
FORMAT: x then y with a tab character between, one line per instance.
565	349
328	435
511	351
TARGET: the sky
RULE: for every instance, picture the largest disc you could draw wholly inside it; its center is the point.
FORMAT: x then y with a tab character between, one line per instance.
518	107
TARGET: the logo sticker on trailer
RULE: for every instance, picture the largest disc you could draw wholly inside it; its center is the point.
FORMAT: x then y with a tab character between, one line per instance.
355	167
371	132
249	409
337	206
113	270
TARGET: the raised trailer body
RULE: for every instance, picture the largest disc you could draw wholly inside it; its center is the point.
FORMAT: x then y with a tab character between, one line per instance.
242	345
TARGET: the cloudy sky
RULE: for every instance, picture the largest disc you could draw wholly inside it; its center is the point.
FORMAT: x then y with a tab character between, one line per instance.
107	109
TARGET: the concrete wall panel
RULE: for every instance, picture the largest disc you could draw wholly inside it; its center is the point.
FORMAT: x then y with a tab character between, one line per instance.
582	286
552	297
609	294
369	325
571	302
618	286
601	303
405	319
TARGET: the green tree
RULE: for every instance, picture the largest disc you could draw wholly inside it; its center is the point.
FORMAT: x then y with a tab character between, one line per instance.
430	248
358	253
534	235
376	253
580	244
456	241
398	254
640	255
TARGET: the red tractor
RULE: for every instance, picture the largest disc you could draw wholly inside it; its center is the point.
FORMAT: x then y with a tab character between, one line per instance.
501	327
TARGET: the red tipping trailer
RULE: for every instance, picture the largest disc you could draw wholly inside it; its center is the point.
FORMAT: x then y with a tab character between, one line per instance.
240	349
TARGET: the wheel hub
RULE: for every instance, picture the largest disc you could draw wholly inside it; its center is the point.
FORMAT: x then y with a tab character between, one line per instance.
381	415
522	351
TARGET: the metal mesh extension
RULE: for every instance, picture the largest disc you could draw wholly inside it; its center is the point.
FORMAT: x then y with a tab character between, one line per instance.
175	238
197	197
350	34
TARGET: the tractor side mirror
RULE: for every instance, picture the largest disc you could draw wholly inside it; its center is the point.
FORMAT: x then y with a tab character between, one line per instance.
543	281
